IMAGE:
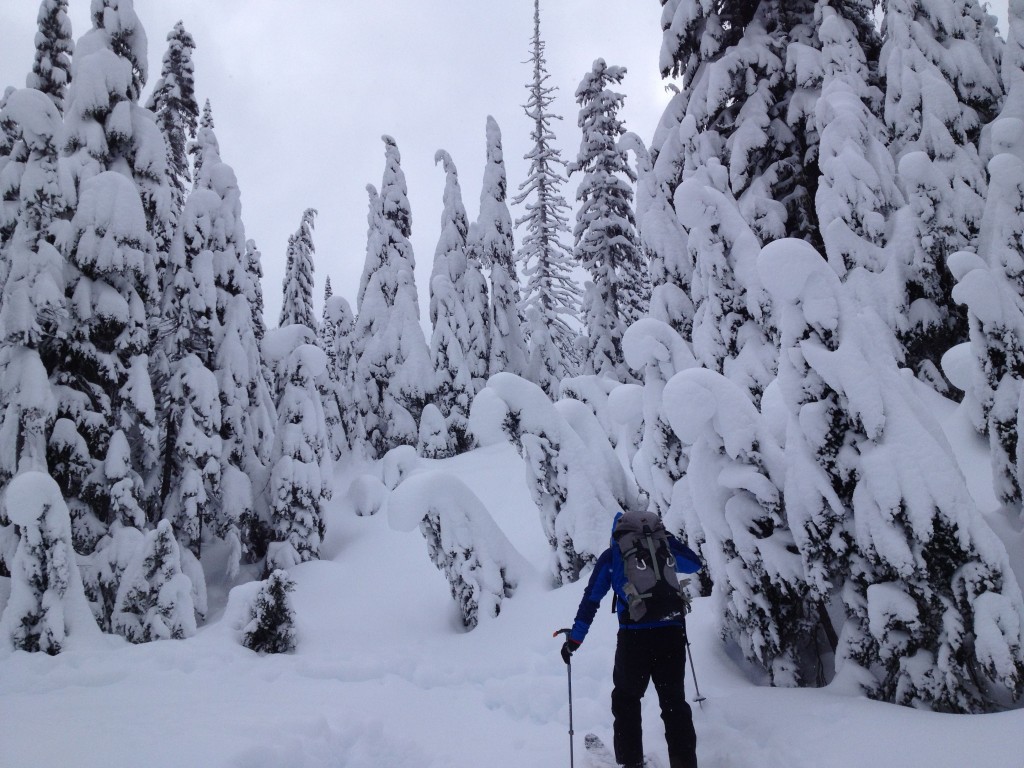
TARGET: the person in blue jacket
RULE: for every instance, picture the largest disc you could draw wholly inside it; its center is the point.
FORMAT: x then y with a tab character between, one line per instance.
646	650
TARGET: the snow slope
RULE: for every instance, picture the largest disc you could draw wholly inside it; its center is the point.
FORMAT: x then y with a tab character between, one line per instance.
384	676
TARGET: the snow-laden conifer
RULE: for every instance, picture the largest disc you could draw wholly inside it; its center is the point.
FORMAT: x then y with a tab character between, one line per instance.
297	305
990	285
51	69
493	243
450	339
154	600
452	386
477	304
112	285
733	478
47	604
481	565
857	192
606	243
101	385
935	614
335	339
32	301
940	89
546	260
246	411
254	287
734	104
732	331
657	352
300	461
271	627
663	240
391	368
575	496
173	101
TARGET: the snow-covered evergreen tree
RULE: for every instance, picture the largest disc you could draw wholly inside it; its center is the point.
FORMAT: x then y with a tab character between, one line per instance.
391	368
857	192
606	243
254	287
32	301
112	286
494	245
935	614
734	103
13	154
654	349
300	460
173	101
664	242
477	304
452	386
271	627
941	86
732	331
248	421
192	480
991	283
335	339
297	306
51	70
546	260
47	603
154	601
733	478
450	339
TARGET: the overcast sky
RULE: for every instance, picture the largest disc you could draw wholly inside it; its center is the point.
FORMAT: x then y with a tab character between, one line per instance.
303	90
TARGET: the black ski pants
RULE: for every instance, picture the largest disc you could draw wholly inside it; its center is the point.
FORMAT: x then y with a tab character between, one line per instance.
643	655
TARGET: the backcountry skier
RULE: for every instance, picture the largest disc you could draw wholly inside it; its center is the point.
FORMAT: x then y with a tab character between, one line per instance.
641	566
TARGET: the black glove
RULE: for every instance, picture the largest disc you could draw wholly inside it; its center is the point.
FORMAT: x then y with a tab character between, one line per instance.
569	647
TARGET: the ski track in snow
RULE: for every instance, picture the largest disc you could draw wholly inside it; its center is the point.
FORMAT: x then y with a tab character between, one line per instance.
384	676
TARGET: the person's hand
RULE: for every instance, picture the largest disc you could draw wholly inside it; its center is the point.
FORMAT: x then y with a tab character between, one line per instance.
569	647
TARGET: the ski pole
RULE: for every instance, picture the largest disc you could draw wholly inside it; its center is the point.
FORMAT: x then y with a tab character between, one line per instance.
693	672
568	667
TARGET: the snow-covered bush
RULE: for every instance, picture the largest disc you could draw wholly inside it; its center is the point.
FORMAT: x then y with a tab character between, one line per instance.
434	442
154	600
481	566
397	464
103	569
271	627
367	494
47	603
577	502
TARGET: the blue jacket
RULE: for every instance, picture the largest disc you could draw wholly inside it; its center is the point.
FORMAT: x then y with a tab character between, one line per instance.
687	561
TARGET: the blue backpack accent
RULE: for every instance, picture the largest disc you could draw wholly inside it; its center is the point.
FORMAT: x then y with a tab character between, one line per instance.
644	570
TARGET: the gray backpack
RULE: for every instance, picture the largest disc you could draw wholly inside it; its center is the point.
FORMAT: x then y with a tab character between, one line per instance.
644	569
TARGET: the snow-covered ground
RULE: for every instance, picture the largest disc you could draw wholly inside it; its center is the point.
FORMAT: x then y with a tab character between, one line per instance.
385	677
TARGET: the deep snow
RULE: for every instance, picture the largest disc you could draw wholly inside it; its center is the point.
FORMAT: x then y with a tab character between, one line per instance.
384	675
